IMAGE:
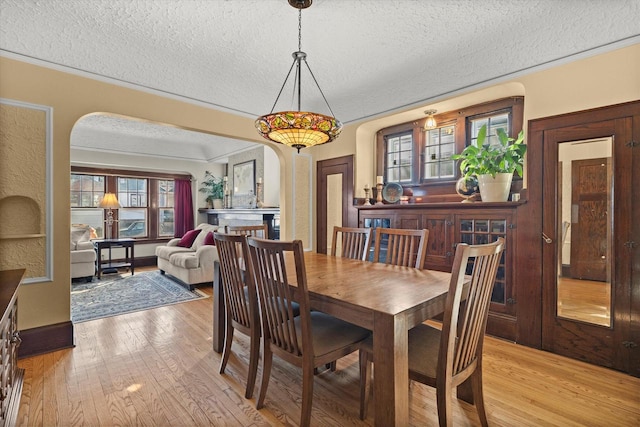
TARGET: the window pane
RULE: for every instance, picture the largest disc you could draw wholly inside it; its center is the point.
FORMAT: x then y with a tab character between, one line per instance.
399	157
493	123
165	205
166	223
133	223
86	190
440	146
92	217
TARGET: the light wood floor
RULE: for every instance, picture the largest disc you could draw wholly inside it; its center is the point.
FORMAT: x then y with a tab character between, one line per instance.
157	368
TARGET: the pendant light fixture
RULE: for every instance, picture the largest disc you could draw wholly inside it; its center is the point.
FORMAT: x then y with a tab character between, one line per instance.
430	123
299	129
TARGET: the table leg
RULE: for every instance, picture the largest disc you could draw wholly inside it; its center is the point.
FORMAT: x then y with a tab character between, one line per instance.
132	259
391	365
218	310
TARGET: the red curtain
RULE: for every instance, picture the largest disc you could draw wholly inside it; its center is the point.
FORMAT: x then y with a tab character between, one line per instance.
183	207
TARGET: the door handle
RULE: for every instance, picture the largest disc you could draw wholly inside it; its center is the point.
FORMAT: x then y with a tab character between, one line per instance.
546	239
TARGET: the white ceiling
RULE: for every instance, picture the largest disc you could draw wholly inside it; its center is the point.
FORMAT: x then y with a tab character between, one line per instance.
370	57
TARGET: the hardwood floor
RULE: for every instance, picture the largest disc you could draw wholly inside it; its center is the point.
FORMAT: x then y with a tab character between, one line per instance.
157	368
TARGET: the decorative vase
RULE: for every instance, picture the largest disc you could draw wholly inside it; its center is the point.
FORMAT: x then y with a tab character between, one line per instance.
495	189
217	203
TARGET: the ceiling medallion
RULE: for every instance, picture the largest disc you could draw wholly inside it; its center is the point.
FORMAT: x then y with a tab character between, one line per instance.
299	129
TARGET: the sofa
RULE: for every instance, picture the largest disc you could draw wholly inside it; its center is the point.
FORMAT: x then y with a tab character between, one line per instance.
83	254
192	264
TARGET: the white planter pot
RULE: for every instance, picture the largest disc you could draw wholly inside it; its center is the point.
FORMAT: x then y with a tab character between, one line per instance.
495	189
217	203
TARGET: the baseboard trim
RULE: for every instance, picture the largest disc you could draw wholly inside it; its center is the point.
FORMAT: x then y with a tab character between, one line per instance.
46	339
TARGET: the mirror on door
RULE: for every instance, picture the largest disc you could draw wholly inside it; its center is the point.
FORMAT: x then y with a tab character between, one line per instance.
585	231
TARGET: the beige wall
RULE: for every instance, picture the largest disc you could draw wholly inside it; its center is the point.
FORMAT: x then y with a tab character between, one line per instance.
72	97
600	80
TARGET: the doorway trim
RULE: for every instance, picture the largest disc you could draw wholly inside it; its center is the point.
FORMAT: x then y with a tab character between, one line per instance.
339	165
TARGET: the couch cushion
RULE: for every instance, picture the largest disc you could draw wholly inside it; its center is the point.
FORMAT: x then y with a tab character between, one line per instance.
80	233
184	260
86	256
209	240
165	252
200	239
188	238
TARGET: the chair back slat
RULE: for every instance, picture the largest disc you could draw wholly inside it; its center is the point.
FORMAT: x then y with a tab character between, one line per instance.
261	231
239	292
274	293
407	248
355	242
465	319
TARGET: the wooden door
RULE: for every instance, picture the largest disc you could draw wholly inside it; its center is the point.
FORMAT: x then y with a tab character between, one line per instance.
602	254
338	170
589	247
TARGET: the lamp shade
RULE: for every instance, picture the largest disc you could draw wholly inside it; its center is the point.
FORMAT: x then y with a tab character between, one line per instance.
298	129
430	123
109	201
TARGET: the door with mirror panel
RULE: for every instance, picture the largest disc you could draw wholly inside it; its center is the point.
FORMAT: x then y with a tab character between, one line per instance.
586	267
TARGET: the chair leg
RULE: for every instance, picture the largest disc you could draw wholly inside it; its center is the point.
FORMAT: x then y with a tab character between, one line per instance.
254	354
443	396
267	359
365	383
307	396
226	351
476	384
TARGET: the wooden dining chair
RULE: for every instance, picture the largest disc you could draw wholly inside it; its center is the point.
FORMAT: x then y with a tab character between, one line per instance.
406	248
446	358
355	243
240	300
307	341
261	231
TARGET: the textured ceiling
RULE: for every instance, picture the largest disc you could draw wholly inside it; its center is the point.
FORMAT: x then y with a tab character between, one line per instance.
370	57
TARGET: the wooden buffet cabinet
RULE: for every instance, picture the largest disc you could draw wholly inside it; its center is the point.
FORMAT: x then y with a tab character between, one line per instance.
473	223
11	376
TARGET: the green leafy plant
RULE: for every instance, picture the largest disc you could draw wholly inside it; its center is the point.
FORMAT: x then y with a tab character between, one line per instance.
212	186
486	159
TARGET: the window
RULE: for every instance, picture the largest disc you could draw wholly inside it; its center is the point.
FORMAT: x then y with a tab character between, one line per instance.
86	193
413	157
399	149
132	194
165	207
147	201
493	123
439	147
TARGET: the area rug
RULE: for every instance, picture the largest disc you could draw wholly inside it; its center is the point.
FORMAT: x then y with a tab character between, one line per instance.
119	295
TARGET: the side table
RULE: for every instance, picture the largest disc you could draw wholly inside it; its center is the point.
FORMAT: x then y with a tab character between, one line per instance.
127	244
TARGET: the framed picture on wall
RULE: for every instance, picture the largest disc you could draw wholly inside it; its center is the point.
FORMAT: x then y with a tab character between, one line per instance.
244	178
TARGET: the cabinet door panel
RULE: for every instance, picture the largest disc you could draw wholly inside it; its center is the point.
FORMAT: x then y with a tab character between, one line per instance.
440	244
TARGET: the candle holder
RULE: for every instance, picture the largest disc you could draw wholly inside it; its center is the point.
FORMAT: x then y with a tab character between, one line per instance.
379	195
226	201
259	203
367	202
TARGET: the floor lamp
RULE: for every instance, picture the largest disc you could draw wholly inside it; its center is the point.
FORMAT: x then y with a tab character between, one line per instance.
110	202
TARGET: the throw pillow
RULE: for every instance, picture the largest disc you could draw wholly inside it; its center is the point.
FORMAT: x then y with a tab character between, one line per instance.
188	238
209	240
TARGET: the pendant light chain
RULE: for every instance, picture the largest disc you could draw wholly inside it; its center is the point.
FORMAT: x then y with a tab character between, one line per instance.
300	30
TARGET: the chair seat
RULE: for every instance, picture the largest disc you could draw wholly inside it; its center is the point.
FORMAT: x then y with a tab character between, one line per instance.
424	344
423	349
329	333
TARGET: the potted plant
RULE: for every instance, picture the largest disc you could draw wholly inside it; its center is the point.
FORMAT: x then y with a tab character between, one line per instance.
493	165
213	187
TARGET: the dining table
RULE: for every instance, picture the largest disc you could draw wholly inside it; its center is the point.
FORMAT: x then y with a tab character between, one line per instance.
386	299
